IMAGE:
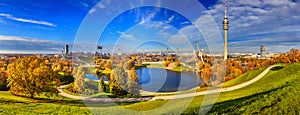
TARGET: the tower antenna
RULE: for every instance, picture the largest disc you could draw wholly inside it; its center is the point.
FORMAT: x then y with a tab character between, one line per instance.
225	28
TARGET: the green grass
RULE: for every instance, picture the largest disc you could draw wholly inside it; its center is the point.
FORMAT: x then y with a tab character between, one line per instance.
89	70
155	66
276	93
87	59
244	77
12	105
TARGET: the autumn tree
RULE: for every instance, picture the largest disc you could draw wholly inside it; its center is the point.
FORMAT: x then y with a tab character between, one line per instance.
31	76
107	65
284	59
79	79
101	85
3	79
200	65
140	62
237	72
294	55
133	85
118	81
206	73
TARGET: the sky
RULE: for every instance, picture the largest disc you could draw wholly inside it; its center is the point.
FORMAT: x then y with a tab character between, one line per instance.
45	26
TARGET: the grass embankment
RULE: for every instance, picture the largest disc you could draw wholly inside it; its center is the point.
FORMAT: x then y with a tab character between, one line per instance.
87	59
244	77
275	93
89	70
180	68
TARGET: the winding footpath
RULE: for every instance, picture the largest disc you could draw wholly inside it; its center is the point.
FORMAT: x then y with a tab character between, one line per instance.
176	96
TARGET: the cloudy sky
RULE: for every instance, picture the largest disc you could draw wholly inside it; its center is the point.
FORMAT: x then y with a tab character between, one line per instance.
148	25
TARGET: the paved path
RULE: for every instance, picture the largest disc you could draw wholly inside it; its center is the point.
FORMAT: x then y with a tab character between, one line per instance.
178	96
62	93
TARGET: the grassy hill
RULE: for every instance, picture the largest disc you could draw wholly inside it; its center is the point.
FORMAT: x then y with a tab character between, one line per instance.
244	77
276	93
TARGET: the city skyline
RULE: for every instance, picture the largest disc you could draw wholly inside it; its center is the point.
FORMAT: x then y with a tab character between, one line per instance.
29	26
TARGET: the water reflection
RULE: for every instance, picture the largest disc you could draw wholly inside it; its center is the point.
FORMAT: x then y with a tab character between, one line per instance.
162	80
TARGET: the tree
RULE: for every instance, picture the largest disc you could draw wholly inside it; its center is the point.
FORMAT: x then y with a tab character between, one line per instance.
3	80
107	65
101	85
118	81
133	85
79	79
206	73
237	72
166	64
31	76
200	65
140	62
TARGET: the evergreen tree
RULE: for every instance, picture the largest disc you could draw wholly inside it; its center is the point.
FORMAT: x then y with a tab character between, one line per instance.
133	85
118	81
79	79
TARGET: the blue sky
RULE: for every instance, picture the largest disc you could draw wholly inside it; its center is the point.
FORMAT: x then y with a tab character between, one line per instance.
46	25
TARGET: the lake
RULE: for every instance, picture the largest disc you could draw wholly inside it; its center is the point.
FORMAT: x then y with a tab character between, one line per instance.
163	80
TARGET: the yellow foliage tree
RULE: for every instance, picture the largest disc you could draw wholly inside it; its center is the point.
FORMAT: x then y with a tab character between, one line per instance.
79	79
31	76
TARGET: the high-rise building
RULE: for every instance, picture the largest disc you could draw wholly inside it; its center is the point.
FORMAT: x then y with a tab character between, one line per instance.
66	49
263	53
119	52
225	28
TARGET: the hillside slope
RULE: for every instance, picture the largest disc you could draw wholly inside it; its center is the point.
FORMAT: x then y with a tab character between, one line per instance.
276	93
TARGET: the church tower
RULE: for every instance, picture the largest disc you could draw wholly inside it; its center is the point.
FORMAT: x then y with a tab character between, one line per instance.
225	28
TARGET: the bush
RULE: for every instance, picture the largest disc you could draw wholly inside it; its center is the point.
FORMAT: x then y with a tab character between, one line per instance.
66	79
166	64
89	92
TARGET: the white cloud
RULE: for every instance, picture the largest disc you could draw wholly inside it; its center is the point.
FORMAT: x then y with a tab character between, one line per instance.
127	36
14	44
162	33
16	38
92	11
250	19
11	17
12	38
84	4
166	27
98	6
147	18
170	19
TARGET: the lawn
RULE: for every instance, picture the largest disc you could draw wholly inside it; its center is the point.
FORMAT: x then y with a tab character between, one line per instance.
244	77
10	104
89	60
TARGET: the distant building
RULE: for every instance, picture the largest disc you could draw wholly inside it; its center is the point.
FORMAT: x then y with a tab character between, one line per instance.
119	52
66	49
263	53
